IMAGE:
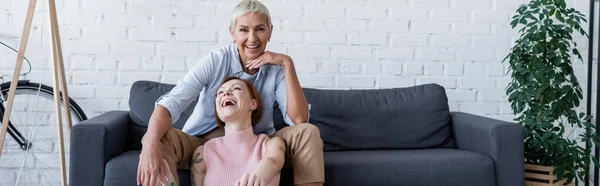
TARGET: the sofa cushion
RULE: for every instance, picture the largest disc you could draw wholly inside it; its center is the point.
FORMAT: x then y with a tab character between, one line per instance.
399	118
386	167
143	96
122	170
409	167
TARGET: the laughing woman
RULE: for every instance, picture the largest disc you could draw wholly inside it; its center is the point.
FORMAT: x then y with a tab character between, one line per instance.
240	157
274	76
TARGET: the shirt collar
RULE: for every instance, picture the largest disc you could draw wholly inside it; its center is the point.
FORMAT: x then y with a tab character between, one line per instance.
235	64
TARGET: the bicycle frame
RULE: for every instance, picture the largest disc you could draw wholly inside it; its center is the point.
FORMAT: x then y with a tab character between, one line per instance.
13	132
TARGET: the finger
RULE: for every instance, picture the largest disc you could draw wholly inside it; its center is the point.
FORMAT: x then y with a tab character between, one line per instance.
262	63
258	64
146	178
137	179
170	176
257	60
237	183
163	173
153	179
143	177
244	180
251	180
257	183
251	62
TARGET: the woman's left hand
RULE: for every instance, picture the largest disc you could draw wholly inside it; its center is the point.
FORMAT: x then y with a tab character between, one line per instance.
268	58
250	180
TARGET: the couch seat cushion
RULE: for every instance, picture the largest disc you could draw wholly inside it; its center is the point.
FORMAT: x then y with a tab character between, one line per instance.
408	167
122	170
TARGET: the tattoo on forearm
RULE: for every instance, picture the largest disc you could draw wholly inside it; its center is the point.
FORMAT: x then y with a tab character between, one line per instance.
282	149
195	170
198	158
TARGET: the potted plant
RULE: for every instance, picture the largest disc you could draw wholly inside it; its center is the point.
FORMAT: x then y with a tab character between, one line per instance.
544	92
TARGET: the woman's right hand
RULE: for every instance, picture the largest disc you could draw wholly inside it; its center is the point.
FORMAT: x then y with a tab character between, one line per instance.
250	180
150	164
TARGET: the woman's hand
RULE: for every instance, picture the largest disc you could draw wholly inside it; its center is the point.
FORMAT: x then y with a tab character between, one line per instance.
150	165
268	58
250	180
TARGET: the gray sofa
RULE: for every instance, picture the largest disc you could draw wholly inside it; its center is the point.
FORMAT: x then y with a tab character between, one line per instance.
399	136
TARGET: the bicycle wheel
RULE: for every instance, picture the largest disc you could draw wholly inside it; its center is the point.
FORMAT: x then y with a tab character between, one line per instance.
31	153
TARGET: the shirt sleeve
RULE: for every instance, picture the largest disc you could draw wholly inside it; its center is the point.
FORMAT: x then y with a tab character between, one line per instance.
188	88
281	96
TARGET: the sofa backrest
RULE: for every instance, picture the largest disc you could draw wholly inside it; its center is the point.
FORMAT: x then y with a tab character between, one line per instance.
143	96
399	118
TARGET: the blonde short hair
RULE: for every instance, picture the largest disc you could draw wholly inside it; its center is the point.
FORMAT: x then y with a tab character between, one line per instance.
246	6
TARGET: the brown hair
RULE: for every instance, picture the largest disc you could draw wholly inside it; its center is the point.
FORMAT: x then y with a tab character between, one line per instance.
256	114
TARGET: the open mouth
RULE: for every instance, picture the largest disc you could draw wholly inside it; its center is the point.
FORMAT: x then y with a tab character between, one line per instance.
251	46
228	103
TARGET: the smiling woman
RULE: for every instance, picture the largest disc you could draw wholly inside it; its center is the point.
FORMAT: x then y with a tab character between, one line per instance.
250	29
240	157
273	75
224	100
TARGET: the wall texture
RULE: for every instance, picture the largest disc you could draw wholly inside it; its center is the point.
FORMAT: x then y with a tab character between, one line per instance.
340	44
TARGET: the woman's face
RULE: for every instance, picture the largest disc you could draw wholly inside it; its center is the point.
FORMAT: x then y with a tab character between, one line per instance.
251	33
234	101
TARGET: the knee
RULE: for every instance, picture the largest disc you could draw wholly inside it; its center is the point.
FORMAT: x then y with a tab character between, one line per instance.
311	133
166	138
309	129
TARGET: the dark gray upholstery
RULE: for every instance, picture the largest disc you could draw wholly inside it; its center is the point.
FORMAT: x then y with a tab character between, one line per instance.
500	140
115	168
409	167
400	136
141	104
401	118
93	143
143	97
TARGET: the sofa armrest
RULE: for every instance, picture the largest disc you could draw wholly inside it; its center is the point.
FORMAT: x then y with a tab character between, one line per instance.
93	143
500	140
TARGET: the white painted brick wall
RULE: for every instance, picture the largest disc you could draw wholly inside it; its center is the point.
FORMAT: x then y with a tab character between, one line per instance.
337	44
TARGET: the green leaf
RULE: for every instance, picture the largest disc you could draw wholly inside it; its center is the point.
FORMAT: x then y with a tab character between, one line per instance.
514	23
559	171
544	92
521	9
513	96
546	135
559	16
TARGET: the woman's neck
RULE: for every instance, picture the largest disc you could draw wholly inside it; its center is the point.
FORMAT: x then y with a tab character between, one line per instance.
235	135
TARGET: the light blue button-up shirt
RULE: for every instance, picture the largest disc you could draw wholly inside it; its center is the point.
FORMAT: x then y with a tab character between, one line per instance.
205	78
